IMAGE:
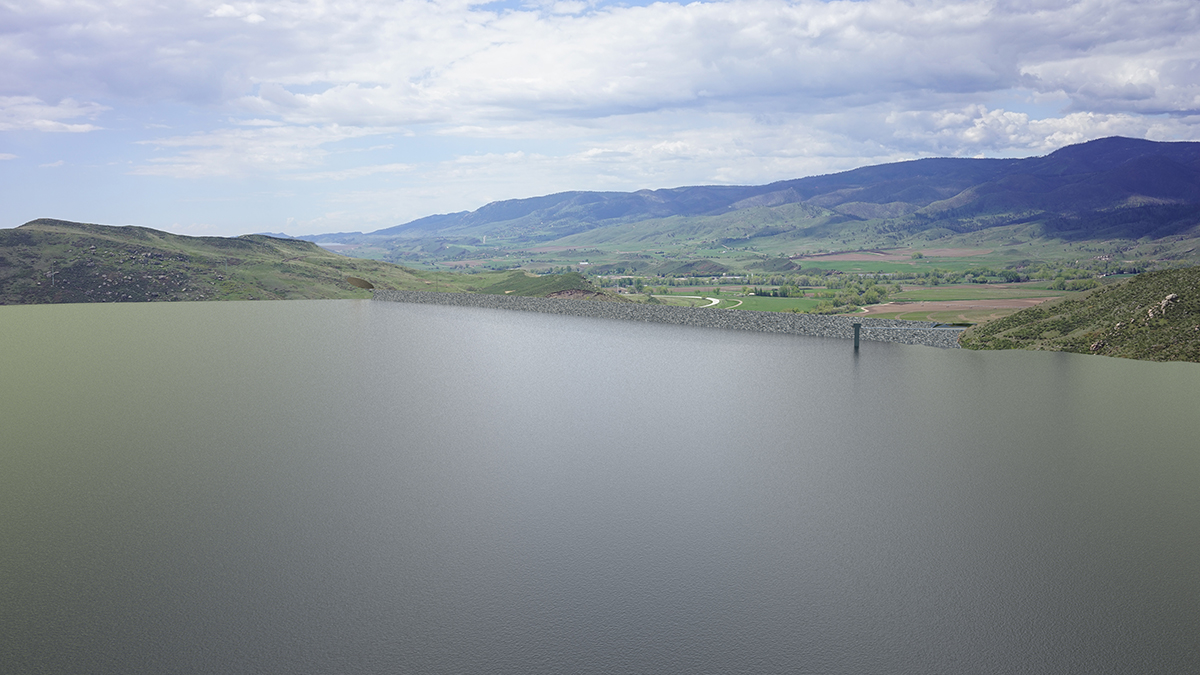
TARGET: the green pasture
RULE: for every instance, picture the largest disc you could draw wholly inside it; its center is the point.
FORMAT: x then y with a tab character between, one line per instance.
755	303
865	267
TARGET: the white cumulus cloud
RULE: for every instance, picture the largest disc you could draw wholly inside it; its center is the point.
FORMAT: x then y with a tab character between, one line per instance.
31	113
247	150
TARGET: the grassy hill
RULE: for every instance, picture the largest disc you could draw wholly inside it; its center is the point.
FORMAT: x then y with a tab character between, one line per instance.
520	283
1154	316
52	261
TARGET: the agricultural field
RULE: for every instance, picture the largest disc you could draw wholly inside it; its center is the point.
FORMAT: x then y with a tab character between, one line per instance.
757	304
948	303
964	303
975	292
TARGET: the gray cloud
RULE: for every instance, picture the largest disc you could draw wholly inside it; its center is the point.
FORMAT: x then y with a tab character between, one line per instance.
451	60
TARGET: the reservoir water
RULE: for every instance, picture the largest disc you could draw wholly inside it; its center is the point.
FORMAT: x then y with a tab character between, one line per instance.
358	487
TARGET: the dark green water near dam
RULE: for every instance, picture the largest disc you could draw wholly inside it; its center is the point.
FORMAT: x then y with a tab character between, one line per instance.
358	487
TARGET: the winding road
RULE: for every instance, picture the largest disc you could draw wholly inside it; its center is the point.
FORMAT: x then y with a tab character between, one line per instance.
711	301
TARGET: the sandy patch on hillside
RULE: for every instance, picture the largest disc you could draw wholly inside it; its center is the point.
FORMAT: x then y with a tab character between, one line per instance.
898	255
575	294
861	257
954	252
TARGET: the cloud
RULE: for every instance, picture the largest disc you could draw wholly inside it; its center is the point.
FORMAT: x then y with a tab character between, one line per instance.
356	172
526	65
385	62
254	150
497	100
31	113
781	56
5	155
975	130
231	12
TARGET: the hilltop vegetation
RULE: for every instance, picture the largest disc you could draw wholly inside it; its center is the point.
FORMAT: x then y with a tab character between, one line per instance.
1154	316
520	283
53	261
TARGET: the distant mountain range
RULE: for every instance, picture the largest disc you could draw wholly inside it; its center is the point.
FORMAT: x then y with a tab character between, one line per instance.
1111	188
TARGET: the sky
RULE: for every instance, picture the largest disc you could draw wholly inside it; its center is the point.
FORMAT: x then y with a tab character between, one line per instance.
205	117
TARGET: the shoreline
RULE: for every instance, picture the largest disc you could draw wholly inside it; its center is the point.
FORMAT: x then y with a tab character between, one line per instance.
820	325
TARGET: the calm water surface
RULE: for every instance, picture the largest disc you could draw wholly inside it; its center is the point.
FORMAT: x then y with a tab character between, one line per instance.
357	487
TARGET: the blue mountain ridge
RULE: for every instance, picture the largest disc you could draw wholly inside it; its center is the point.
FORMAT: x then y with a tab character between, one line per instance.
1084	183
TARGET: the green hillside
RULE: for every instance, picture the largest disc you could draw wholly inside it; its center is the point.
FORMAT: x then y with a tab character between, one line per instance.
54	261
1154	316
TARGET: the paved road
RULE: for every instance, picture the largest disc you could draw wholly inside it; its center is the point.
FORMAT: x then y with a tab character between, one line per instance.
711	301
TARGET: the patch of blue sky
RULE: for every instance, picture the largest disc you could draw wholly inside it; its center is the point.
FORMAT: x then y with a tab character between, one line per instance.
1036	105
311	88
80	186
427	147
106	148
577	6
